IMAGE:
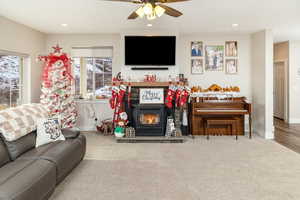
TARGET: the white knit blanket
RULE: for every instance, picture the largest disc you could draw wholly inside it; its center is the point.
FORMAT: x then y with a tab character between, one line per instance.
19	121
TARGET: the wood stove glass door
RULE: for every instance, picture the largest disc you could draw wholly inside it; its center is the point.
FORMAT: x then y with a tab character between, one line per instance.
149	119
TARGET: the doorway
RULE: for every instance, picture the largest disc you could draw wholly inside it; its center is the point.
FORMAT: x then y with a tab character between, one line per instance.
280	93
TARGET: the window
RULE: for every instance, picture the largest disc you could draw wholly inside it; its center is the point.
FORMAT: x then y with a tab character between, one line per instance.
93	76
11	70
76	68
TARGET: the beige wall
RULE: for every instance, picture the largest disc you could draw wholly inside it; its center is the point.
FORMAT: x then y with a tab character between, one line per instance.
289	51
294	81
183	61
67	41
281	54
241	79
262	83
22	39
183	65
255	75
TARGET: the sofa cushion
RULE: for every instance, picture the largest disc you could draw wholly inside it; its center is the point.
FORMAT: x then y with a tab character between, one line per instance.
4	157
27	179
64	154
20	146
70	133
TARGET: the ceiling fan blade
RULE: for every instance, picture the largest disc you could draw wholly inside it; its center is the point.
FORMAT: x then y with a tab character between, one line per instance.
170	1
171	11
133	15
129	1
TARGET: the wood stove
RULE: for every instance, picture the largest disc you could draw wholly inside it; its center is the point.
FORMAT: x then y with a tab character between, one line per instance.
149	119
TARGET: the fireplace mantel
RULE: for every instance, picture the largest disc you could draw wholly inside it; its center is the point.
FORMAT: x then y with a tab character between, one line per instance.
148	84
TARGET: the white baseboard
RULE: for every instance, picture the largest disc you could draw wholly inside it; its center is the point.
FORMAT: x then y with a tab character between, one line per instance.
269	136
86	128
294	121
266	135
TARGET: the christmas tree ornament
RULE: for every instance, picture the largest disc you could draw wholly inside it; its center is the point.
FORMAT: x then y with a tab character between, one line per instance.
57	87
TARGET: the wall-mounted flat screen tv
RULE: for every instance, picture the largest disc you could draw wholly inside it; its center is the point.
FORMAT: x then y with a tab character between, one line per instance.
150	50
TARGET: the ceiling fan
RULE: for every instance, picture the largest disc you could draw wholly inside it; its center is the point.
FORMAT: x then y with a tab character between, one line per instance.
152	8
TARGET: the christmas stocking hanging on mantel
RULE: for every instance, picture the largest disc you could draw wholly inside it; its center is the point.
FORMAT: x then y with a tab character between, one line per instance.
122	93
179	92
57	87
184	96
170	96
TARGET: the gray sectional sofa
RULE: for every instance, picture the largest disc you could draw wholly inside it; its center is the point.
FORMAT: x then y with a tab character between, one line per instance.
29	173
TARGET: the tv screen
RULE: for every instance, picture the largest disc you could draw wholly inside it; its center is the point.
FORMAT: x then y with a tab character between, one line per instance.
150	50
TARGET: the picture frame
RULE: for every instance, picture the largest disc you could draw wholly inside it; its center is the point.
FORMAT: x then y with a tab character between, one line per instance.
151	96
214	58
231	66
197	49
197	66
231	48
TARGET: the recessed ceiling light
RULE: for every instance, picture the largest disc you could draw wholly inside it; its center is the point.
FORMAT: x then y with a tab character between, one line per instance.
64	25
149	25
235	25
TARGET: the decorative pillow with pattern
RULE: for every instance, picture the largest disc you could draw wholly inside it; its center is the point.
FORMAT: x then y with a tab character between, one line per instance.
48	130
20	121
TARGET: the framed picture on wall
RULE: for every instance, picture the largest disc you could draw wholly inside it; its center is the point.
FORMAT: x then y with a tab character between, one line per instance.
214	58
196	49
197	66
231	49
231	66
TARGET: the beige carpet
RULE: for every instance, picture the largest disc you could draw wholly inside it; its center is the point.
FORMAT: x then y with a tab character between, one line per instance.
218	169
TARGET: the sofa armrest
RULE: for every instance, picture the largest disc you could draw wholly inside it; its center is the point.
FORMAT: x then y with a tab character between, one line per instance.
70	133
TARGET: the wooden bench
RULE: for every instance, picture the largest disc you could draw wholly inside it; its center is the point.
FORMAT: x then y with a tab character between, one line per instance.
231	124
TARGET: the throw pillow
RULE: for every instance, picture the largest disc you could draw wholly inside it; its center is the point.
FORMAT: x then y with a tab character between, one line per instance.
48	130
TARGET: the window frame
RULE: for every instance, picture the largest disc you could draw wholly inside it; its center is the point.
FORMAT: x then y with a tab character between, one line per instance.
83	75
22	59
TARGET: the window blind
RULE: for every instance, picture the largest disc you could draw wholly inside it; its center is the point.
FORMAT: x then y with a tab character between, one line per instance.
101	52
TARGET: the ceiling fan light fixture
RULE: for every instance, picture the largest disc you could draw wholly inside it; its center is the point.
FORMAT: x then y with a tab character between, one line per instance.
159	11
148	9
152	16
140	12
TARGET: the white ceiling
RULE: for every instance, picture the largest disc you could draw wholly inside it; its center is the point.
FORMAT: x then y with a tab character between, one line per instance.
210	16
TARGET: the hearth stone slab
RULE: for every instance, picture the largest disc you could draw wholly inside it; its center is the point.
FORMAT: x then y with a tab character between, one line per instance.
151	140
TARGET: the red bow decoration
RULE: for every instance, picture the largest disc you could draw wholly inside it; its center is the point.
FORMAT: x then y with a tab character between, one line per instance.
50	60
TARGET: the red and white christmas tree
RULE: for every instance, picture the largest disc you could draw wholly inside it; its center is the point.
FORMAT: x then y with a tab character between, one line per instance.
57	87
